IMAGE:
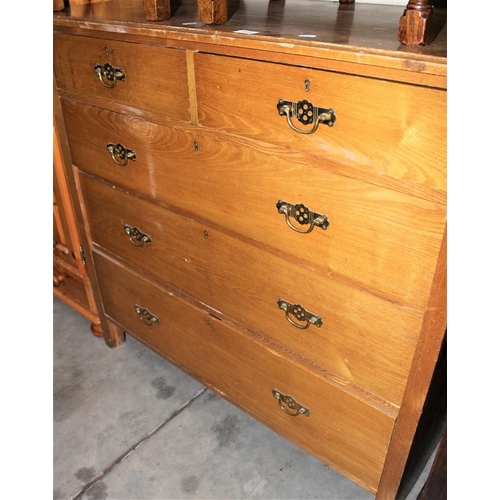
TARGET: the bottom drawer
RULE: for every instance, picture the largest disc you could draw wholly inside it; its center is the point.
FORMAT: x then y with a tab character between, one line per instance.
342	431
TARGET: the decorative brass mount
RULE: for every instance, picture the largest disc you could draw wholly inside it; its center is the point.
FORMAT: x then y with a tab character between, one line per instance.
120	154
302	215
136	236
107	73
306	113
145	316
300	313
288	403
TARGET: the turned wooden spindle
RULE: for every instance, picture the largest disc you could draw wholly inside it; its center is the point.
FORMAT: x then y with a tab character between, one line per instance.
212	11
57	280
58	5
156	10
96	329
416	25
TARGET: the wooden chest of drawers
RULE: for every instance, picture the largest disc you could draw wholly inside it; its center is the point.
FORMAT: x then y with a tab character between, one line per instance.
271	218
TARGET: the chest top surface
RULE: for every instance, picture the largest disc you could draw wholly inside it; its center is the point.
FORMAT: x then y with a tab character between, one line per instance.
357	34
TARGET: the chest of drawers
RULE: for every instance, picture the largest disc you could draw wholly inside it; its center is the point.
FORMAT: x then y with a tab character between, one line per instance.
270	217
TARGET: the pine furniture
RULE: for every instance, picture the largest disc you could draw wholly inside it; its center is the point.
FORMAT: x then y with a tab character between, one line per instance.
263	203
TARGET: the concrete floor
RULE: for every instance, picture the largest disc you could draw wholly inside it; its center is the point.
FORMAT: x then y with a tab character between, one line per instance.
130	426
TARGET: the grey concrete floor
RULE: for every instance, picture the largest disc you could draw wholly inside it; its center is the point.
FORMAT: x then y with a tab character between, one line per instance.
130	426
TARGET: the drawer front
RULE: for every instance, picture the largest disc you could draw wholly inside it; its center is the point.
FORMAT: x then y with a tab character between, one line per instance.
155	78
340	430
246	283
378	239
383	128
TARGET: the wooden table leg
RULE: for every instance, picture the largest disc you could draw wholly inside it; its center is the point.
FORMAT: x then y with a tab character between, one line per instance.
58	5
416	25
156	10
212	11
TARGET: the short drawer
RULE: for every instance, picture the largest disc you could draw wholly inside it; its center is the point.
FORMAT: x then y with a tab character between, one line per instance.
245	282
343	431
378	239
383	128
145	77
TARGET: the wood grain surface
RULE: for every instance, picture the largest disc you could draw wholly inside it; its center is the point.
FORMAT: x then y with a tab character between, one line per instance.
245	372
155	77
213	157
245	283
381	126
157	10
378	239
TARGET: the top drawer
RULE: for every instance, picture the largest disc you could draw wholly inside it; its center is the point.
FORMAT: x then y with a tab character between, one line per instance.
141	76
382	128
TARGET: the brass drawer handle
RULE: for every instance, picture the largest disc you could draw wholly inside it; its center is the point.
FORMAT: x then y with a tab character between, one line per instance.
136	236
306	113
146	317
120	154
300	313
302	215
107	73
287	403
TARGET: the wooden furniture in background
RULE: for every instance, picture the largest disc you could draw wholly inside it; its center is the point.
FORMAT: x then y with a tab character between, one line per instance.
58	5
417	24
70	281
268	213
157	10
213	12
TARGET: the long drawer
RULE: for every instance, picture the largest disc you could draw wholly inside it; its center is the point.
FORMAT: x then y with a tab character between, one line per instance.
144	77
342	431
246	283
384	241
384	128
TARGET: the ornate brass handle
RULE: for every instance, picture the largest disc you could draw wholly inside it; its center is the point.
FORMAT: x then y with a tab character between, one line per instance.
287	403
300	313
106	72
120	154
302	215
136	236
146	317
306	113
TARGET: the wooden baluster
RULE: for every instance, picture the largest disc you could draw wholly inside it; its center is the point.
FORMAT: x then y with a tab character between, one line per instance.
212	11
156	10
58	5
275	13
82	2
417	24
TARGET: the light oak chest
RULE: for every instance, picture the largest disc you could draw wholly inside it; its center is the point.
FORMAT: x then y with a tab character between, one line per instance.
270	217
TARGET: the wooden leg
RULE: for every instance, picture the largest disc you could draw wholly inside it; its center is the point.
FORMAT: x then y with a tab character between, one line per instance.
113	335
416	25
212	11
96	329
58	5
156	10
